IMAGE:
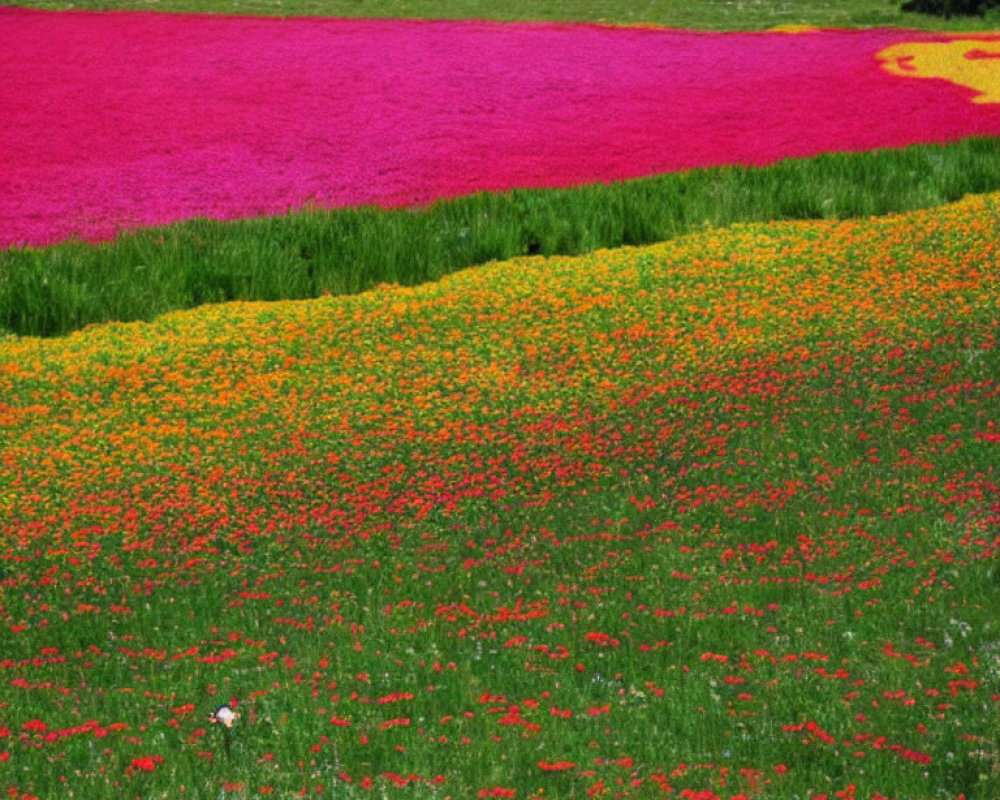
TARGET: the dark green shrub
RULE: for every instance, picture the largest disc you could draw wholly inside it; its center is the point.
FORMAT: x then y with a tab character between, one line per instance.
947	8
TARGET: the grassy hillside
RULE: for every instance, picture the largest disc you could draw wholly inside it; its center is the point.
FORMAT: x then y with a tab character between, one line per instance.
714	518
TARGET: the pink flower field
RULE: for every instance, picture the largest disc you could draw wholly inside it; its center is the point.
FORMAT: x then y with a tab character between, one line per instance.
120	120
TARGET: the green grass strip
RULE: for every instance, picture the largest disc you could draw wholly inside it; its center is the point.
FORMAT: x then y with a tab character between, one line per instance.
698	14
52	291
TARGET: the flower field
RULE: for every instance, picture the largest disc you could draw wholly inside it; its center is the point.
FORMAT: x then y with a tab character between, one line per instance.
715	518
712	519
119	121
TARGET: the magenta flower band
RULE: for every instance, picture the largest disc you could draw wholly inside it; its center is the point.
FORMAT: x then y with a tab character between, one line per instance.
114	121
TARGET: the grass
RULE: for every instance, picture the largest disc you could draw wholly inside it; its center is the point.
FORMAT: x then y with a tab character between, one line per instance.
715	518
51	291
697	14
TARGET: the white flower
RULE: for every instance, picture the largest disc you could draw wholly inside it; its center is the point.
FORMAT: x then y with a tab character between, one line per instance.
224	715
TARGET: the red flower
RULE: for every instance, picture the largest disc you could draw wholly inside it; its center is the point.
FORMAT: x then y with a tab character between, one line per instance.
146	763
35	726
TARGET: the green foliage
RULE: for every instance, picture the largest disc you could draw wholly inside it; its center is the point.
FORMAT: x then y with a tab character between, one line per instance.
51	291
703	14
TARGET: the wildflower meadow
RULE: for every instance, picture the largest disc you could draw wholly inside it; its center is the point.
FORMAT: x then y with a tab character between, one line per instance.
717	516
713	518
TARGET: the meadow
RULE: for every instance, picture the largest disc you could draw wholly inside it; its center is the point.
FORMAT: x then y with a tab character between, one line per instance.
711	518
713	515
